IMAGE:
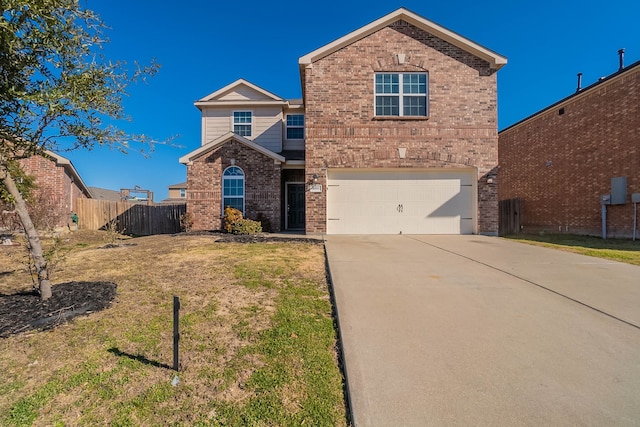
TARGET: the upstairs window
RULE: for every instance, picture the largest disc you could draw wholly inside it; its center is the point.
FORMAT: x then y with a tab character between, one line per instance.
295	126
233	188
242	123
183	193
401	94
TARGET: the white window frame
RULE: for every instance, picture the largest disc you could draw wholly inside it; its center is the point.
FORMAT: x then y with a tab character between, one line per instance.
287	126
250	124
400	94
183	193
234	177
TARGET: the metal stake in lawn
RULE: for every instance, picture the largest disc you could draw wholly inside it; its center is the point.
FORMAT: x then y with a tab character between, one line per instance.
176	332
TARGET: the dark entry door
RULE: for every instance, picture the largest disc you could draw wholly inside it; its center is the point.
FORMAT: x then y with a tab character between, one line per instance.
295	206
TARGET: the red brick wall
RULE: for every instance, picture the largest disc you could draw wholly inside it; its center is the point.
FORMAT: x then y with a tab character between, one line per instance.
559	165
56	190
461	131
204	188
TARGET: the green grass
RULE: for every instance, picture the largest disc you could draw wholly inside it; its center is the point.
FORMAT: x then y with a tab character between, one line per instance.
296	353
257	347
25	411
622	250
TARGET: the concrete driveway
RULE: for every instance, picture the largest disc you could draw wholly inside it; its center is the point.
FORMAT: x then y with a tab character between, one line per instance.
474	330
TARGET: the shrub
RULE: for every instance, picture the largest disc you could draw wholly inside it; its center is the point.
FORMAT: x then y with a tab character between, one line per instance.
46	212
235	224
265	222
246	226
231	216
113	232
186	221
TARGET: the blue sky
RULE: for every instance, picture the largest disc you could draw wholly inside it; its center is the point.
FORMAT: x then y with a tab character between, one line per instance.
204	45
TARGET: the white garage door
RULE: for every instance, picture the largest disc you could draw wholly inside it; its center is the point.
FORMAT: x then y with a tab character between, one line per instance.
364	201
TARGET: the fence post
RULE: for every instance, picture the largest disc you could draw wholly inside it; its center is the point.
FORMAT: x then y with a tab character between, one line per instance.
176	332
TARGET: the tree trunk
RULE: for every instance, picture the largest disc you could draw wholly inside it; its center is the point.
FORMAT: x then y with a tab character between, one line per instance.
35	247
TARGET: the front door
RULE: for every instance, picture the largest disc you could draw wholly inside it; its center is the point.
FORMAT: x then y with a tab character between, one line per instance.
295	206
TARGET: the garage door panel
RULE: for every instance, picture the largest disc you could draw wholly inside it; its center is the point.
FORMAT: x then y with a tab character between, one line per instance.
380	191
400	201
455	204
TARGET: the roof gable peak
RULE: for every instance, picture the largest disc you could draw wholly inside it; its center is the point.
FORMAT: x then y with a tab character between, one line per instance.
247	89
211	145
495	60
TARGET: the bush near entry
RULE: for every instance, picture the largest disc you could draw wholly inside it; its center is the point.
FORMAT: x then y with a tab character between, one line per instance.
235	224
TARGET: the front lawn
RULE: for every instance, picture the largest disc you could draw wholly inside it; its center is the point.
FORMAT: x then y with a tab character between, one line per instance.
622	250
258	343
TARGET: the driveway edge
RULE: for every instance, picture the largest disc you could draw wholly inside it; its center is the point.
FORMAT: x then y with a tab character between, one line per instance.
343	361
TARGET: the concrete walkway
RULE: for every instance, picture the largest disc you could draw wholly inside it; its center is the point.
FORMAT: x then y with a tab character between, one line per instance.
473	330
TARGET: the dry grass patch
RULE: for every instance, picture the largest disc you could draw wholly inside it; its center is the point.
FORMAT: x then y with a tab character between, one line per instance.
258	346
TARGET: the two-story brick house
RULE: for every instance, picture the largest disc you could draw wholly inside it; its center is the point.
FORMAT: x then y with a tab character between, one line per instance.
396	133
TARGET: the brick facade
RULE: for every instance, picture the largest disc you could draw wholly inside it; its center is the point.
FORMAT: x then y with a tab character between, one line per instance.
204	185
559	161
460	132
57	190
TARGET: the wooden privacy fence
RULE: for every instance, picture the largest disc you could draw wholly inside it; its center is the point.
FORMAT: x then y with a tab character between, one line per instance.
509	216
130	218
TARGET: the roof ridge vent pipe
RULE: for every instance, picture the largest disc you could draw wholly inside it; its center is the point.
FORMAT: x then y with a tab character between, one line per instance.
579	82
621	58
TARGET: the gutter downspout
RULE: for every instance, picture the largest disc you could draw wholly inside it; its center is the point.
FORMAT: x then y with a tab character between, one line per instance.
605	200
635	199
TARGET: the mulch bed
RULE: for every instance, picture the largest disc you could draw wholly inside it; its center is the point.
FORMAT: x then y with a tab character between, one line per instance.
252	238
25	311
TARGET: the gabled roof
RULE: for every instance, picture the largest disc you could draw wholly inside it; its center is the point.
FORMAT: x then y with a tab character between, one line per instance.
495	60
105	194
265	97
224	139
66	164
179	185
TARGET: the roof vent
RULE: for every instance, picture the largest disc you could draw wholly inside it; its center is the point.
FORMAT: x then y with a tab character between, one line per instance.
579	82
621	58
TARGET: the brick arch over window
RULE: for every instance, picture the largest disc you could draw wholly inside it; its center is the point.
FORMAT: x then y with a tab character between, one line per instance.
233	188
398	63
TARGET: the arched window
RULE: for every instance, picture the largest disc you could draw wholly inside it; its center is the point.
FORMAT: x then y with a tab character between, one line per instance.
233	188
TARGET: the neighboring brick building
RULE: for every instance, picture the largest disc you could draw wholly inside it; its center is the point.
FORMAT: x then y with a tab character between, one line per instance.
59	185
396	133
560	160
